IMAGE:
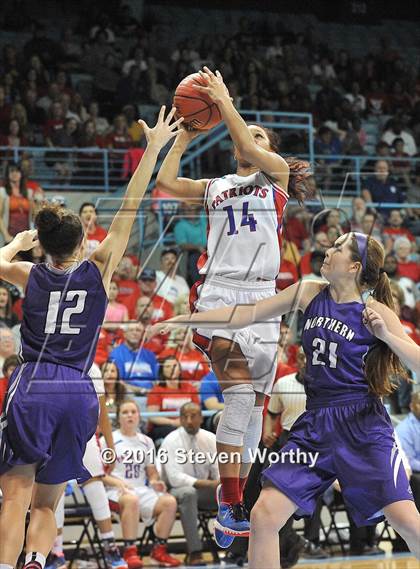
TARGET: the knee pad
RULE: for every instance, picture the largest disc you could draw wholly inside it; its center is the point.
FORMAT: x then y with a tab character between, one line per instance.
253	434
59	513
233	424
98	500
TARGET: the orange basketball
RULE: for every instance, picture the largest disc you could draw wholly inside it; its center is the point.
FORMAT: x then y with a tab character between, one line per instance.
198	110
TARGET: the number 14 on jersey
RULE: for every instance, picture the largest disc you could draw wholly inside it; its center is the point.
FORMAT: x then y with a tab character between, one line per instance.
247	219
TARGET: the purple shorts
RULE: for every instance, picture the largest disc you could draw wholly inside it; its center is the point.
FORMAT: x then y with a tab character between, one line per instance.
49	413
356	446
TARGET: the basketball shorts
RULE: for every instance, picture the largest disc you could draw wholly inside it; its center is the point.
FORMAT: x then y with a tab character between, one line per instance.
352	442
49	414
92	460
258	342
147	501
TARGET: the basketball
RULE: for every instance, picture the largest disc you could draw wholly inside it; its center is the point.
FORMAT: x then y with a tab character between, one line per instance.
198	110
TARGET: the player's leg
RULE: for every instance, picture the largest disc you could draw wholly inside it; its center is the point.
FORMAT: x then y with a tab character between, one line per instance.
16	486
232	371
164	512
251	440
57	558
95	493
268	516
42	529
405	519
129	516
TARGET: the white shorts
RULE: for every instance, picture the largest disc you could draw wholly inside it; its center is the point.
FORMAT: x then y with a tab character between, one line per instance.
92	458
147	501
258	342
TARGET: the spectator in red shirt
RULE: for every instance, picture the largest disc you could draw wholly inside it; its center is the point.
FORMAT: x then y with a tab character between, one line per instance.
194	364
118	139
14	137
295	229
55	122
170	394
288	274
9	366
144	314
162	309
288	349
394	229
406	267
129	288
131	160
95	234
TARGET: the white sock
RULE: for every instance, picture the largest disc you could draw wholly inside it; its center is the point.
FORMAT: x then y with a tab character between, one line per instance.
98	500
35	556
57	548
107	535
5	566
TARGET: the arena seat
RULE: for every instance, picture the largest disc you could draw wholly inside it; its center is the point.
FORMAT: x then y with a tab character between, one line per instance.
79	514
203	521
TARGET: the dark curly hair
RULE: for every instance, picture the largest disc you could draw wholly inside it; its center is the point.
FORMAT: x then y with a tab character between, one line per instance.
299	170
60	231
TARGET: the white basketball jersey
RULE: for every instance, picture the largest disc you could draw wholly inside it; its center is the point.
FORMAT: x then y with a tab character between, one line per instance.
133	455
244	227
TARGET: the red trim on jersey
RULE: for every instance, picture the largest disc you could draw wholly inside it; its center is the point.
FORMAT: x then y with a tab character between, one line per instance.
114	506
202	260
276	186
201	342
280	202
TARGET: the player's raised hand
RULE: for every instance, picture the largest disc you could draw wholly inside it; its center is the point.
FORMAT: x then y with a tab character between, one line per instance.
375	323
187	134
27	239
214	86
163	130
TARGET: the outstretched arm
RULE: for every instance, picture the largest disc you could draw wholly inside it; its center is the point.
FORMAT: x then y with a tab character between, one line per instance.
295	297
110	251
17	273
269	162
184	189
380	320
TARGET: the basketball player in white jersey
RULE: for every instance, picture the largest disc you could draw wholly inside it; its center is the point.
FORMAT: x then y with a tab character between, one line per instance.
240	266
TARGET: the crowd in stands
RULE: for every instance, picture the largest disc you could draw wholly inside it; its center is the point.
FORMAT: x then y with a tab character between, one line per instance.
131	63
41	106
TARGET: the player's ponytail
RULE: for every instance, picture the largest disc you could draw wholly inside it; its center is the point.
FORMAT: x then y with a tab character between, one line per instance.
300	184
60	231
381	364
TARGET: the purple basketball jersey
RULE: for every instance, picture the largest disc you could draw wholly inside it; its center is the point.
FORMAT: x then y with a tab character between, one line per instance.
62	315
336	342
